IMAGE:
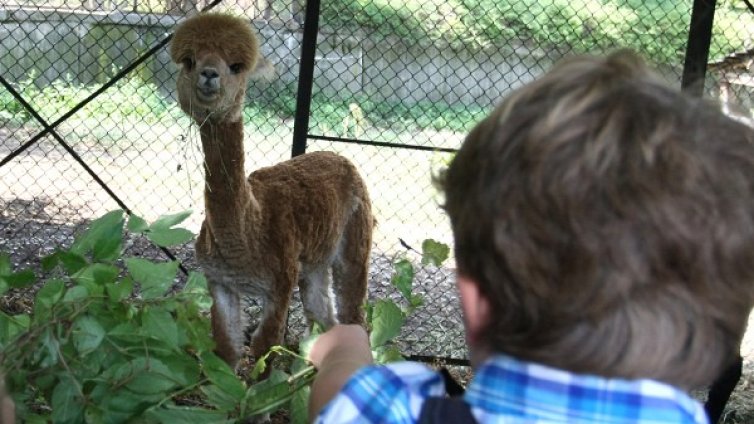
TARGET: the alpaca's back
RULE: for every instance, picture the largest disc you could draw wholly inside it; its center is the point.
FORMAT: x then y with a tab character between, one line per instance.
311	199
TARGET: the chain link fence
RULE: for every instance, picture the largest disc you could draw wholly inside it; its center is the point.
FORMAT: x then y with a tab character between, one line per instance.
89	123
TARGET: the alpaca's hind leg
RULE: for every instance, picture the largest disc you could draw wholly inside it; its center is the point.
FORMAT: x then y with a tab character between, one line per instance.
227	323
350	269
315	297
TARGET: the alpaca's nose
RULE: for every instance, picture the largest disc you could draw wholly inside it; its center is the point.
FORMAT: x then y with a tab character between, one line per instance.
209	78
210	73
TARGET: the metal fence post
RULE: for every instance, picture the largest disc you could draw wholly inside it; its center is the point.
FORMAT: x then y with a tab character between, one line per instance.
697	48
305	78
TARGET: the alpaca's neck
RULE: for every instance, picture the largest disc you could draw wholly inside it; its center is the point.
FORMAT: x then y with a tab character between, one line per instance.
226	191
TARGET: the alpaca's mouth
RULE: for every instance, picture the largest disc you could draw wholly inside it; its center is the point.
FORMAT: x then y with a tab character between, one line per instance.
207	94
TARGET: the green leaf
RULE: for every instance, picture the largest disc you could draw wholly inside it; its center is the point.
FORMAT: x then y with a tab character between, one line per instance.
12	279
176	414
184	368
167	221
434	252
268	395
196	326
403	277
196	285
5	266
93	414
369	312
387	354
87	334
155	278
159	323
121	405
12	325
20	279
67	405
103	239
126	331
219	398
305	345
96	276
48	351
304	374
416	300
35	419
72	262
221	375
120	290
75	294
50	293
150	377
170	236
300	406
387	320
136	224
260	365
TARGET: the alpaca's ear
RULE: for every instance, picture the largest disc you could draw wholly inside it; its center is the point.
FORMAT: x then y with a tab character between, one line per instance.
263	71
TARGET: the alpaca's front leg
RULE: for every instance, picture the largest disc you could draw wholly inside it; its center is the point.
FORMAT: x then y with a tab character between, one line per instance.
271	325
227	325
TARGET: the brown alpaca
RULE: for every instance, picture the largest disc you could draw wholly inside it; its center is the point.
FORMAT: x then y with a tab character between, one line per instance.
291	223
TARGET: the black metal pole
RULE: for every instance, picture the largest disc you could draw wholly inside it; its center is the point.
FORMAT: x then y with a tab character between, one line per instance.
697	48
749	5
305	78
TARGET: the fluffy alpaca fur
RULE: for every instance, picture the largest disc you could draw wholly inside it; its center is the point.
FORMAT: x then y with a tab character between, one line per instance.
295	222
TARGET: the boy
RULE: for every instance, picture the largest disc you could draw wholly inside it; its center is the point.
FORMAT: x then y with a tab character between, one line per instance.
604	239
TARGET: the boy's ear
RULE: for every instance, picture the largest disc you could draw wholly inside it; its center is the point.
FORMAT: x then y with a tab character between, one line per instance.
476	310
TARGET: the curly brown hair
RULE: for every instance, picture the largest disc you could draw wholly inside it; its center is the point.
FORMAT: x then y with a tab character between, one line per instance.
609	220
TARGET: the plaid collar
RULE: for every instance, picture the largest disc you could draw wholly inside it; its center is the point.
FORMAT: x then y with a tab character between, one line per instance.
504	386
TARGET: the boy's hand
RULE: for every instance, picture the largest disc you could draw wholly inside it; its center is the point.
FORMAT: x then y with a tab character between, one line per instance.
349	342
337	354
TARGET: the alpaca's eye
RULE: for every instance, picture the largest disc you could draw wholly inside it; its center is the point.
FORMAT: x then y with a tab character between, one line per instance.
188	63
236	68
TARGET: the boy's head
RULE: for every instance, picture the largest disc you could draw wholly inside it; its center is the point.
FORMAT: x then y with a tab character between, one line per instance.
609	222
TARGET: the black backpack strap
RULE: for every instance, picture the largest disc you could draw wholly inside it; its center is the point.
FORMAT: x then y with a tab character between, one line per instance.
721	389
452	387
446	410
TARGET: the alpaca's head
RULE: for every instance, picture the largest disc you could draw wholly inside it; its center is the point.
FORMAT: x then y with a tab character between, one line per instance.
217	53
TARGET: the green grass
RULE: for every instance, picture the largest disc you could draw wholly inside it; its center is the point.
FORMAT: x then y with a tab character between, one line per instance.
132	103
130	98
328	113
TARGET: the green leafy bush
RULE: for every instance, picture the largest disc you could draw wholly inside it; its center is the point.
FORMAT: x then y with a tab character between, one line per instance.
109	340
11	110
386	317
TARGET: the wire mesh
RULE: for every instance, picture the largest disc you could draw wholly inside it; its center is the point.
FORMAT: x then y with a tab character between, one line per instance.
396	86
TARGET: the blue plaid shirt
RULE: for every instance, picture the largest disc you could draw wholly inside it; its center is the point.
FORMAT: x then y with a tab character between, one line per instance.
506	390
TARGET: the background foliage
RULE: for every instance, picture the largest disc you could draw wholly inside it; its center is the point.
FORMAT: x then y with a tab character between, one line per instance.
659	27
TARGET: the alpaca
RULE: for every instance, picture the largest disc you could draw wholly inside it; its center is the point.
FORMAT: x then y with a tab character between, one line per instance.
292	223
